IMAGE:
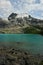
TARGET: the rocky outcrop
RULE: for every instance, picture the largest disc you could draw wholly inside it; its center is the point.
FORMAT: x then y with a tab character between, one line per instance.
25	20
19	57
17	20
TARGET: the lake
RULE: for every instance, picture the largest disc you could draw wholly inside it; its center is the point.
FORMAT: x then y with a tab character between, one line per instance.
31	42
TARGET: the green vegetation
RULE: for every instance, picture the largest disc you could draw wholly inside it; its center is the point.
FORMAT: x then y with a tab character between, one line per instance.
18	29
11	30
41	32
41	63
31	30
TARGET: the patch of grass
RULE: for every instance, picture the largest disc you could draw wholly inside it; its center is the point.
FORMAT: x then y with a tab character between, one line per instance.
30	30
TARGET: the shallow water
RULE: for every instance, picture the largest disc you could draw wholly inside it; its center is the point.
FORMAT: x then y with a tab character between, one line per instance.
31	42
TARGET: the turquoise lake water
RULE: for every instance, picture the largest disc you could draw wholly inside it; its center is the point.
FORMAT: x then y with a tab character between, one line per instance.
31	42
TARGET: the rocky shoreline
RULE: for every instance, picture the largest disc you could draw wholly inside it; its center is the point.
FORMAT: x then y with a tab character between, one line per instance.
12	56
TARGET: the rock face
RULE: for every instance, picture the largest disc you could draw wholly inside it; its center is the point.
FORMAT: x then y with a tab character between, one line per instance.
25	20
19	57
18	23
16	19
12	16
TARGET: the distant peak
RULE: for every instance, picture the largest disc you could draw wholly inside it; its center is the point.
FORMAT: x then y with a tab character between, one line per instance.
12	14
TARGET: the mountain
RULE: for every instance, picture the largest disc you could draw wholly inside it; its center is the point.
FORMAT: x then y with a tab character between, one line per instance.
25	19
12	16
21	23
3	23
15	19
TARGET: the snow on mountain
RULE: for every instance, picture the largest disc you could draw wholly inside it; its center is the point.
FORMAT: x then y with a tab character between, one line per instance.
22	15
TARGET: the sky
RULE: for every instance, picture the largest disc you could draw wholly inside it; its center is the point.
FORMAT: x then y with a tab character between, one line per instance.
31	7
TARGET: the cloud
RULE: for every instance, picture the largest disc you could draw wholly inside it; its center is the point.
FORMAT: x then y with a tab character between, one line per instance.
25	6
33	7
5	8
41	1
29	6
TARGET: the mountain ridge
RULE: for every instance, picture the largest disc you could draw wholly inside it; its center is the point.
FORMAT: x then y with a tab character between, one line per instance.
21	24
